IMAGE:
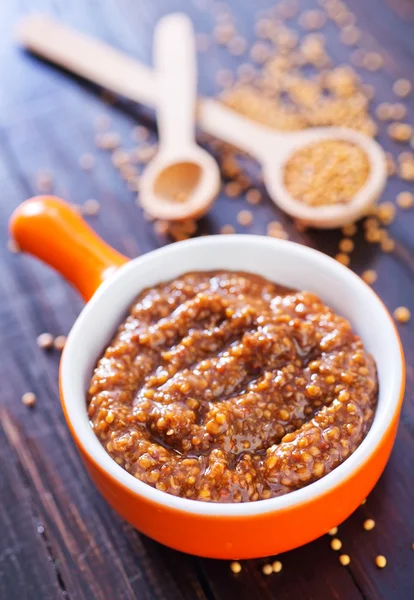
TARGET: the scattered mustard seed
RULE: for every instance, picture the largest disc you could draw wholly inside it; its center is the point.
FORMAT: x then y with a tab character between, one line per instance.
233	189
44	181
381	561
45	341
405	200
259	52
336	544
402	314
29	399
350	35
344	559
350	229
253	196
91	207
235	566
87	161
237	46
364	502
369	524
139	133
400	132
386	213
267	569
333	531
387	245
384	111
227	229
12	246
369	276
372	61
346	245
161	227
402	88
59	342
406	171
245	218
277	566
398	111
108	140
343	258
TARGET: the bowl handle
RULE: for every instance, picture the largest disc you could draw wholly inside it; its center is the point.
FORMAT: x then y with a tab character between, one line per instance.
50	229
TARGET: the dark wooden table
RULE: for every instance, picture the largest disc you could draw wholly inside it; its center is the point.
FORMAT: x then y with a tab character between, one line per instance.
58	538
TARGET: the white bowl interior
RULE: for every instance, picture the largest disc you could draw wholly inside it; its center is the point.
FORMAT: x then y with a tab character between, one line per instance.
284	262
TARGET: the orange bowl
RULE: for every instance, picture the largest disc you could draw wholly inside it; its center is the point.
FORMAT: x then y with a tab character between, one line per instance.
49	229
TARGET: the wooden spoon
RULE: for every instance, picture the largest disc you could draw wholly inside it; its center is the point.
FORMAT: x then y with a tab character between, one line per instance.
183	179
110	68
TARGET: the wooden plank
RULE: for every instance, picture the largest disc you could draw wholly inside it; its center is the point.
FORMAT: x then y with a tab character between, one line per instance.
47	123
27	569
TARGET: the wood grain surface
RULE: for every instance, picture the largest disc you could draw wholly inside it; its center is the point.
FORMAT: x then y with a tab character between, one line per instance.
58	537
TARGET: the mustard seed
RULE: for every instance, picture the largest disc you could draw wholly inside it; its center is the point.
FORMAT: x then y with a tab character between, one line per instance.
400	132
372	61
91	207
346	245
387	245
402	88
349	230
29	399
386	213
350	35
384	111
161	227
343	258
139	133
233	189
108	140
237	46
336	544
227	229
381	561
44	181
369	524
277	566
267	569
245	217
12	246
253	196
333	531
45	341
87	162
402	314
235	566
344	559
369	276
59	342
405	200
398	111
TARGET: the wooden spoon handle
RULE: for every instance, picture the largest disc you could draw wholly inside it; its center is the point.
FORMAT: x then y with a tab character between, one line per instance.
115	70
88	57
176	79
